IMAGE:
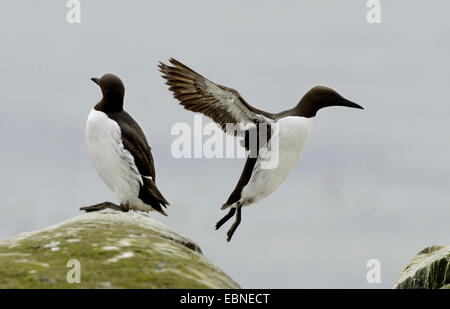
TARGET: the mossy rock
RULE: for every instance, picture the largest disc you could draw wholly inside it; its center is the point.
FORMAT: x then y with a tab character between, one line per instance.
114	250
429	269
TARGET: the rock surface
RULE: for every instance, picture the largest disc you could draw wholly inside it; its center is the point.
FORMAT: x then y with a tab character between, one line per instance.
114	250
429	269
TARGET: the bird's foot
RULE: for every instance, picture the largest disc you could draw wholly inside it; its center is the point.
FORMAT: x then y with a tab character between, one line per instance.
235	224
225	218
104	205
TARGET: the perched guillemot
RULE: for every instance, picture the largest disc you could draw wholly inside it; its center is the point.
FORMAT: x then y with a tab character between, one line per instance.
120	152
225	105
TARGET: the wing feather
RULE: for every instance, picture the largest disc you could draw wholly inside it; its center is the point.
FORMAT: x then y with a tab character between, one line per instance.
136	144
222	104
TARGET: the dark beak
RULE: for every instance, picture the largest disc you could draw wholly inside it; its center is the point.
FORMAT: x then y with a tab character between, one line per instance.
347	103
96	80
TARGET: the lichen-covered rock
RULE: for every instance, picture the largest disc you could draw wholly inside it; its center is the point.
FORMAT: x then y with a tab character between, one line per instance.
429	269
114	250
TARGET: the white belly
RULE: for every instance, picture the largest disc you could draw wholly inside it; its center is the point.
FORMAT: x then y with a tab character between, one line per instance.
113	163
291	138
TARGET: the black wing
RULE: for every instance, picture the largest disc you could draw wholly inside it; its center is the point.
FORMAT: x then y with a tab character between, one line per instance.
222	104
135	142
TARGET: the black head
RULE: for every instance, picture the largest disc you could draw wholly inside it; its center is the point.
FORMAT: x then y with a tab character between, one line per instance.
320	97
113	92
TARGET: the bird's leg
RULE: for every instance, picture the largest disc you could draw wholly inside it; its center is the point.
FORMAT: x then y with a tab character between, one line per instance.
104	205
125	207
226	218
236	223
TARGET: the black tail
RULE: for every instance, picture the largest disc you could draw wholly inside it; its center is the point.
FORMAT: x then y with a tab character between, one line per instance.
150	195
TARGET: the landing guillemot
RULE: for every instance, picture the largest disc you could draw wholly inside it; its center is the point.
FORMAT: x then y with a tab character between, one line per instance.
225	105
120	152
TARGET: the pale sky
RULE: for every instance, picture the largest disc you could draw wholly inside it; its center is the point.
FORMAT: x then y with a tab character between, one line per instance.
370	184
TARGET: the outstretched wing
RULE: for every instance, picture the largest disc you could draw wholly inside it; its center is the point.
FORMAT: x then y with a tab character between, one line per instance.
222	104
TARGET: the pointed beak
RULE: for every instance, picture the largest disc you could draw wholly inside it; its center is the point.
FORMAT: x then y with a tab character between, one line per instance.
96	80
347	103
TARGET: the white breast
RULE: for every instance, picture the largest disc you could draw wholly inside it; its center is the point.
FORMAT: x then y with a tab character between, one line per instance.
291	138
114	164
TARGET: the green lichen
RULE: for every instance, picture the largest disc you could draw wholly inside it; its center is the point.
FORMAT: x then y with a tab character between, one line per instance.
429	269
111	255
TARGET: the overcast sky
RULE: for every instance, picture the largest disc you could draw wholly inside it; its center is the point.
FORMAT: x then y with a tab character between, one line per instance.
370	184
